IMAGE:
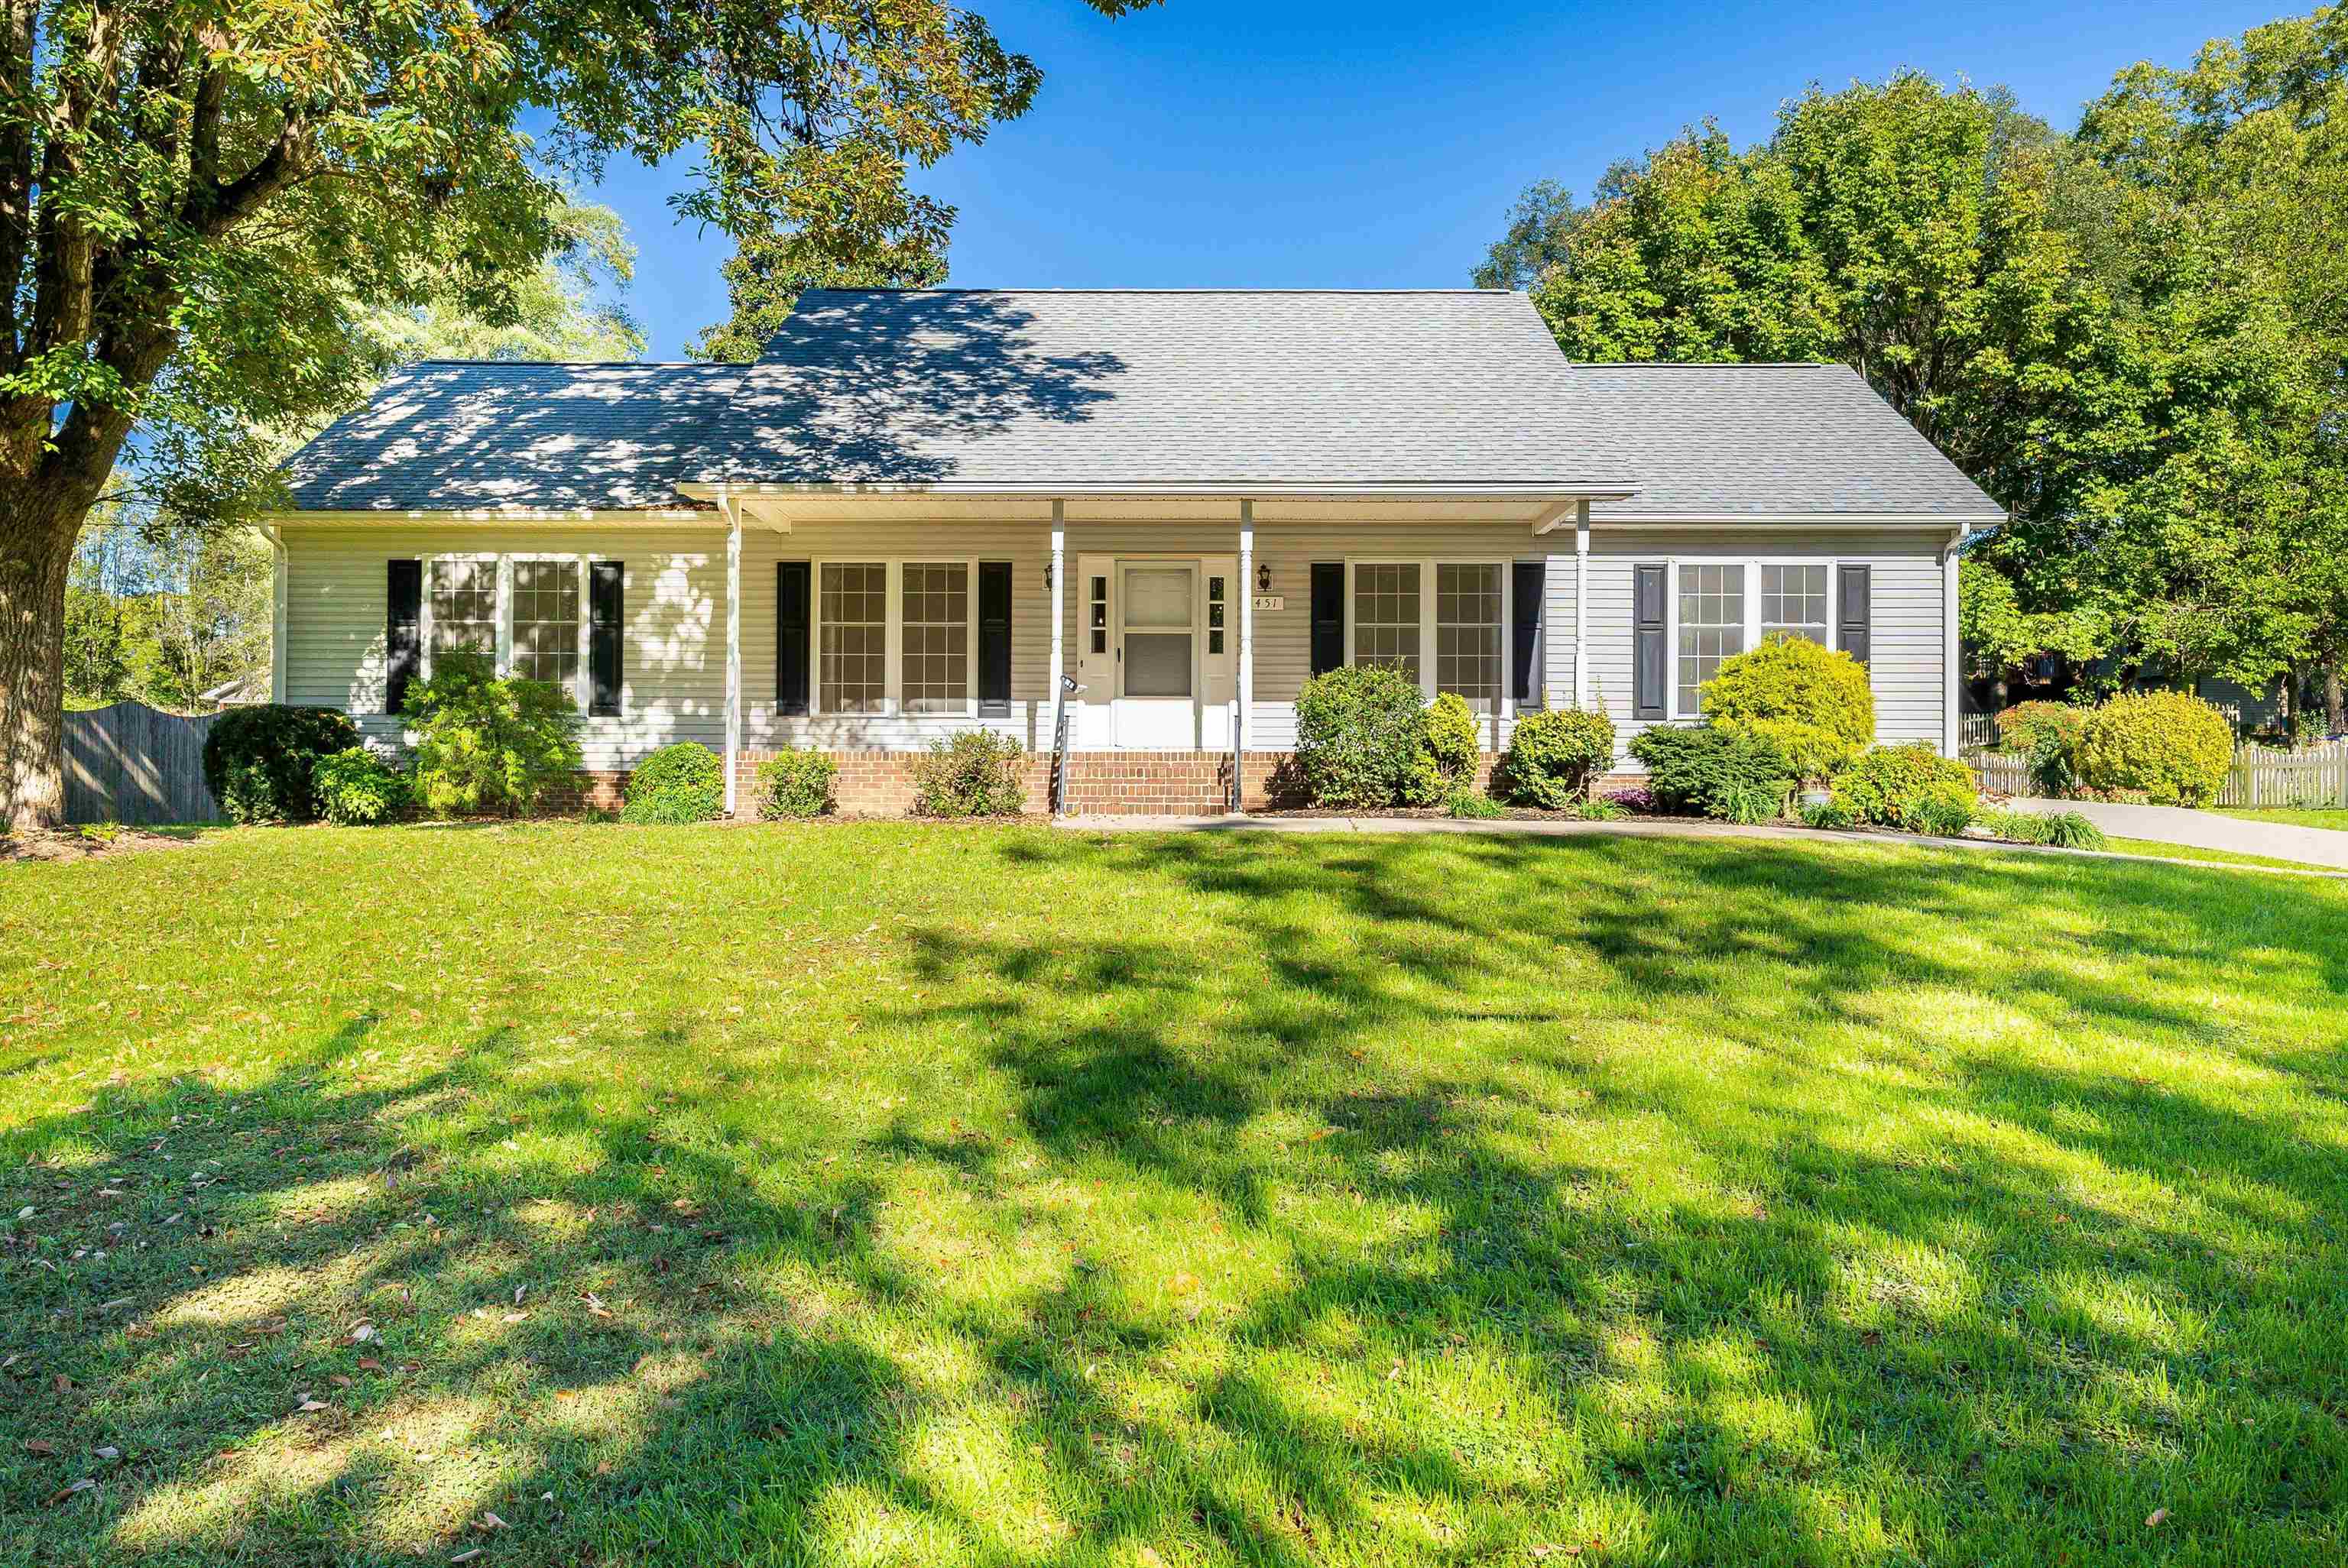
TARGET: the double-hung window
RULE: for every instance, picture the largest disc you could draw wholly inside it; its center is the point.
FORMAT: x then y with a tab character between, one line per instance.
936	618
1443	624
852	607
1712	625
1794	600
525	613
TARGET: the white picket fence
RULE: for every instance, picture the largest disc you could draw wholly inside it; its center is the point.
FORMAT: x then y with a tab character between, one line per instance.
2317	776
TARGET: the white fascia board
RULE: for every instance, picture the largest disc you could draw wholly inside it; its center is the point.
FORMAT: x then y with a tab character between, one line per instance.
1596	490
599	515
1935	520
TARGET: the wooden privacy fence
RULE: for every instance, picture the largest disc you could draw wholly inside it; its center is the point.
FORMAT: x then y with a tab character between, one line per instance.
2316	776
130	764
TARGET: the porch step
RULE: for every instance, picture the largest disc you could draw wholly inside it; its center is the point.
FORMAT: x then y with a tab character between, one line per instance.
1149	784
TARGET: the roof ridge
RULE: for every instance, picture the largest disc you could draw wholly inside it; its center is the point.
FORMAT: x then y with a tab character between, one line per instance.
1707	364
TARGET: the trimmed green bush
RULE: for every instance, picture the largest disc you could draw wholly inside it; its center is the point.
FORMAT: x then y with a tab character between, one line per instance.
354	788
1748	803
2070	830
1472	805
1554	758
976	773
681	782
261	763
1886	784
1709	769
796	784
1448	746
1790	677
1359	729
2172	745
484	745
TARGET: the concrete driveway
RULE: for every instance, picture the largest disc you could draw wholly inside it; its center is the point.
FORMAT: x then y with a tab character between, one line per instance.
2206	830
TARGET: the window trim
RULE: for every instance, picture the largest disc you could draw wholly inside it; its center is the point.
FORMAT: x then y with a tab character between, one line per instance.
892	639
581	683
1429	600
1752	631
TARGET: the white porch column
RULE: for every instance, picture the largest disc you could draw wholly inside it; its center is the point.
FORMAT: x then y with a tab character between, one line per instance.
1243	699
1950	743
1058	597
1581	604
733	645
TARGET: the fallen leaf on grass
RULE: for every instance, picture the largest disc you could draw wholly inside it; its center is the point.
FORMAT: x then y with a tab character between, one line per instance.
466	1556
2152	1521
62	1384
63	1492
309	1405
370	1364
39	1445
489	1522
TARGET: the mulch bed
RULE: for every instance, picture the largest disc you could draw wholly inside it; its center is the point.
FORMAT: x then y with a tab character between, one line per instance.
72	844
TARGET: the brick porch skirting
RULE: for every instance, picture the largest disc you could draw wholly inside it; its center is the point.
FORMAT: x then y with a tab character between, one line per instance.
1151	783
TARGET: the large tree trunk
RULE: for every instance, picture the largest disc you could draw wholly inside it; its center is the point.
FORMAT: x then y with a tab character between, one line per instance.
39	525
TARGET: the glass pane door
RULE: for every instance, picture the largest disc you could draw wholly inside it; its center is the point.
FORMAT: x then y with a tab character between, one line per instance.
1158	630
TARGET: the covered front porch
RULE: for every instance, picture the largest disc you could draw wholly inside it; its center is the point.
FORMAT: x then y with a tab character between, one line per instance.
1174	631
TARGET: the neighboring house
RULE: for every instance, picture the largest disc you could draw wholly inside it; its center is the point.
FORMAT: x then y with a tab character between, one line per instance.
921	509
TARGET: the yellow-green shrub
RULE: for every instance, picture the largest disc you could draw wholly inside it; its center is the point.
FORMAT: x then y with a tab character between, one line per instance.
1790	677
1890	785
2170	745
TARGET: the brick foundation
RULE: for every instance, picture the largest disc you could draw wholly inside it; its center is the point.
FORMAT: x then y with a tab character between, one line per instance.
591	789
1100	784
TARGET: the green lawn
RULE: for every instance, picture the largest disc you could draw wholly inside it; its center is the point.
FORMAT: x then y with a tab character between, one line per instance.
903	1194
2297	816
2160	849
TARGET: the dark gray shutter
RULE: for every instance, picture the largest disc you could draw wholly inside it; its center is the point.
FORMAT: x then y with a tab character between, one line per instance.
1524	632
1328	615
994	638
403	622
1857	610
794	598
606	614
1651	659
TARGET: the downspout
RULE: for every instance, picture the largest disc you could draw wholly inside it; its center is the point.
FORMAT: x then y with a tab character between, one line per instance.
1581	604
733	648
1056	783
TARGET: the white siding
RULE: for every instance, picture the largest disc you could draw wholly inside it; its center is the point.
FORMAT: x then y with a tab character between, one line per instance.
1905	661
674	660
673	666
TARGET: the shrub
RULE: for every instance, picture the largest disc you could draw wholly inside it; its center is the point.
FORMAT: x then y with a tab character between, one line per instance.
1944	810
1472	805
2069	830
259	762
1744	801
488	744
1813	752
2173	746
683	782
1358	733
1829	813
976	773
2020	727
354	788
1793	678
1695	769
1888	782
1447	749
795	784
1640	800
1553	757
1608	810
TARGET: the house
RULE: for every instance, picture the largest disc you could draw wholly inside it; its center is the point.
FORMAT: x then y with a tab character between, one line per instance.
1147	514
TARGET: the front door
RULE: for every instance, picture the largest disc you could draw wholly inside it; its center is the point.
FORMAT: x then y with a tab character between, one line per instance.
1156	705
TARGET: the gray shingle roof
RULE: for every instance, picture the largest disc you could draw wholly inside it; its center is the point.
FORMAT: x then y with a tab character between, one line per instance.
452	434
1093	389
1759	440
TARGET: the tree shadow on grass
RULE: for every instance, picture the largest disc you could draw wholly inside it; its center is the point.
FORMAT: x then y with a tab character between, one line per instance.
1400	1200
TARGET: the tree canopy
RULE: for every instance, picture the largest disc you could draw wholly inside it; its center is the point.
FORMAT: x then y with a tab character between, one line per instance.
203	205
2133	335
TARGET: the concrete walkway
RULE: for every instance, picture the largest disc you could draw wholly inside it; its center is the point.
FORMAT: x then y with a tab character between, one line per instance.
2207	830
1628	827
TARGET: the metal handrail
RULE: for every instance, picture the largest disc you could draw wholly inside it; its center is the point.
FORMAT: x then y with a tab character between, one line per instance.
1068	687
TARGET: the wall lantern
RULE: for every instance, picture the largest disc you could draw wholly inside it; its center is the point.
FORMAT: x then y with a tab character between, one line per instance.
1048	577
1263	577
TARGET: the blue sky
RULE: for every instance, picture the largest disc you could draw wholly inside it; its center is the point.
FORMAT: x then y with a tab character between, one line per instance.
1212	142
